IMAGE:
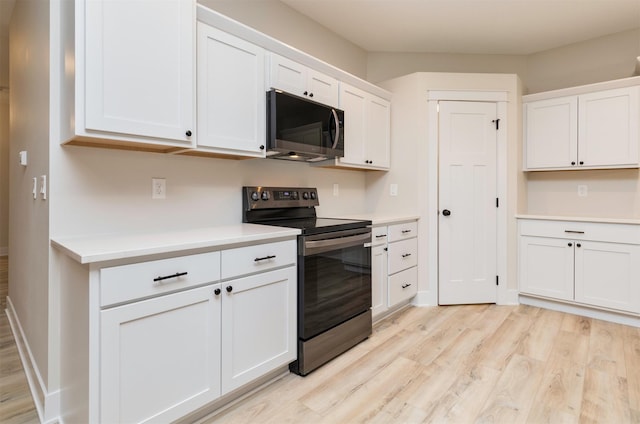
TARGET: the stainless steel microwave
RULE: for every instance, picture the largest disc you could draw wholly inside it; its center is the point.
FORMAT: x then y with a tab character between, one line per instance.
301	129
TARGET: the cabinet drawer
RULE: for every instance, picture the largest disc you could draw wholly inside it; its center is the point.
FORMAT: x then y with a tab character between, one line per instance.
258	258
379	235
403	285
574	230
402	255
403	231
125	283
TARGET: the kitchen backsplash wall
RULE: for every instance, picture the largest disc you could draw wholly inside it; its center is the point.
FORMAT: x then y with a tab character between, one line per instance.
610	193
105	191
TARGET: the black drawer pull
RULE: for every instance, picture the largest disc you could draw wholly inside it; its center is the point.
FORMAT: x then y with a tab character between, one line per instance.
404	286
406	231
264	258
166	277
381	235
406	255
574	232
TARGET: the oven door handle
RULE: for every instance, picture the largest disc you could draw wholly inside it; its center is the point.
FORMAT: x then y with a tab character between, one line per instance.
312	247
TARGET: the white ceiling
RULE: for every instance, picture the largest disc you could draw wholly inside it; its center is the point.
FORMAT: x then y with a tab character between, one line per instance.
470	26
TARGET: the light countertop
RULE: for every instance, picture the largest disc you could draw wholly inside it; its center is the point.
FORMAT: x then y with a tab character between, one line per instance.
382	219
99	248
581	219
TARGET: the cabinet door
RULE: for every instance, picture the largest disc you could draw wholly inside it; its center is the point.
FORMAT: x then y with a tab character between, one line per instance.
231	100
378	127
608	275
139	68
354	104
259	330
322	88
378	279
160	358
551	133
546	267
608	128
288	75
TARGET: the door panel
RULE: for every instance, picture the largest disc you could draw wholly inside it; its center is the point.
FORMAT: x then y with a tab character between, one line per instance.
467	246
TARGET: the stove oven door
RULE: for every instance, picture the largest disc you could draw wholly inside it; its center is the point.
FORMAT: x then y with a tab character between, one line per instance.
334	279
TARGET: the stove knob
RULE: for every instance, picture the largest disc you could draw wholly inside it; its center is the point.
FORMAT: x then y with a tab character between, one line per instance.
313	195
294	195
255	196
305	195
265	195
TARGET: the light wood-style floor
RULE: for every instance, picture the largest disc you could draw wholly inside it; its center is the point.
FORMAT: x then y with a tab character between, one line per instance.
455	364
16	403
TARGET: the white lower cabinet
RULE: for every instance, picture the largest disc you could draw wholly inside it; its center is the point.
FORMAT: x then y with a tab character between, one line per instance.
169	348
259	331
593	264
160	358
394	274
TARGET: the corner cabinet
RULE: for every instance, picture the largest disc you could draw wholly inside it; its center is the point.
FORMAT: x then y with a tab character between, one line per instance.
595	129
134	74
586	263
231	95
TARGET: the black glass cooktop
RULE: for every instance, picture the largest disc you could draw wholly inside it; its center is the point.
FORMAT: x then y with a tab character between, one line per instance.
319	225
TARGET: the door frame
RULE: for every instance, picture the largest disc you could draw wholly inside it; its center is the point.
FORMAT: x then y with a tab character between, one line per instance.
433	184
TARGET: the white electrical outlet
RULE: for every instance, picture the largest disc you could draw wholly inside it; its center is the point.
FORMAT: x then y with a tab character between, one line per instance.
582	190
393	189
336	189
158	188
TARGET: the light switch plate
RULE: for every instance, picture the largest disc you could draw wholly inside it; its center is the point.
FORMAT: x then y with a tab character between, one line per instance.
582	190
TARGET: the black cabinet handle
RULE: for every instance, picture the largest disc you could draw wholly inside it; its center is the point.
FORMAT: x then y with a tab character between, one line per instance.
578	245
381	235
262	147
229	289
406	255
569	244
217	292
166	277
386	249
188	133
305	93
574	232
446	212
573	163
310	94
264	258
406	231
581	162
404	286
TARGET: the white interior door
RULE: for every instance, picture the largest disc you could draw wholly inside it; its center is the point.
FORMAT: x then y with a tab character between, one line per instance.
467	203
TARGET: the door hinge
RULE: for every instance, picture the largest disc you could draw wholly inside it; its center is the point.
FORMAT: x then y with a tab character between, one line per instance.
497	122
497	279
497	202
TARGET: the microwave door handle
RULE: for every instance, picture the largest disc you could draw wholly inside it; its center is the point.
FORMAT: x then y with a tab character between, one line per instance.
337	137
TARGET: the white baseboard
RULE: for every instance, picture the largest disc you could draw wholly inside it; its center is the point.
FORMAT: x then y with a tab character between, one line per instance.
425	298
47	404
610	316
4	251
512	297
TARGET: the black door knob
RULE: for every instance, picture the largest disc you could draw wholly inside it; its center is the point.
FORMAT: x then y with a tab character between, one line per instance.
229	289
188	133
446	212
216	292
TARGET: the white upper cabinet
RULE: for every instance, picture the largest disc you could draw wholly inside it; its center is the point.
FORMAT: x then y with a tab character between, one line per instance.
590	130
295	78
135	71
231	94
367	130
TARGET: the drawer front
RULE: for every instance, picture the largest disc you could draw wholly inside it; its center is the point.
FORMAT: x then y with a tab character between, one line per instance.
258	258
379	235
402	255
120	284
574	230
403	286
403	231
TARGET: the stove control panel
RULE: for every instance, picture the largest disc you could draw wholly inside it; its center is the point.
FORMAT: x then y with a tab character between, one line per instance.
258	197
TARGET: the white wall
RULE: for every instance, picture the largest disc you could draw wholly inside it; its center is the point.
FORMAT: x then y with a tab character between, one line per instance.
29	218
